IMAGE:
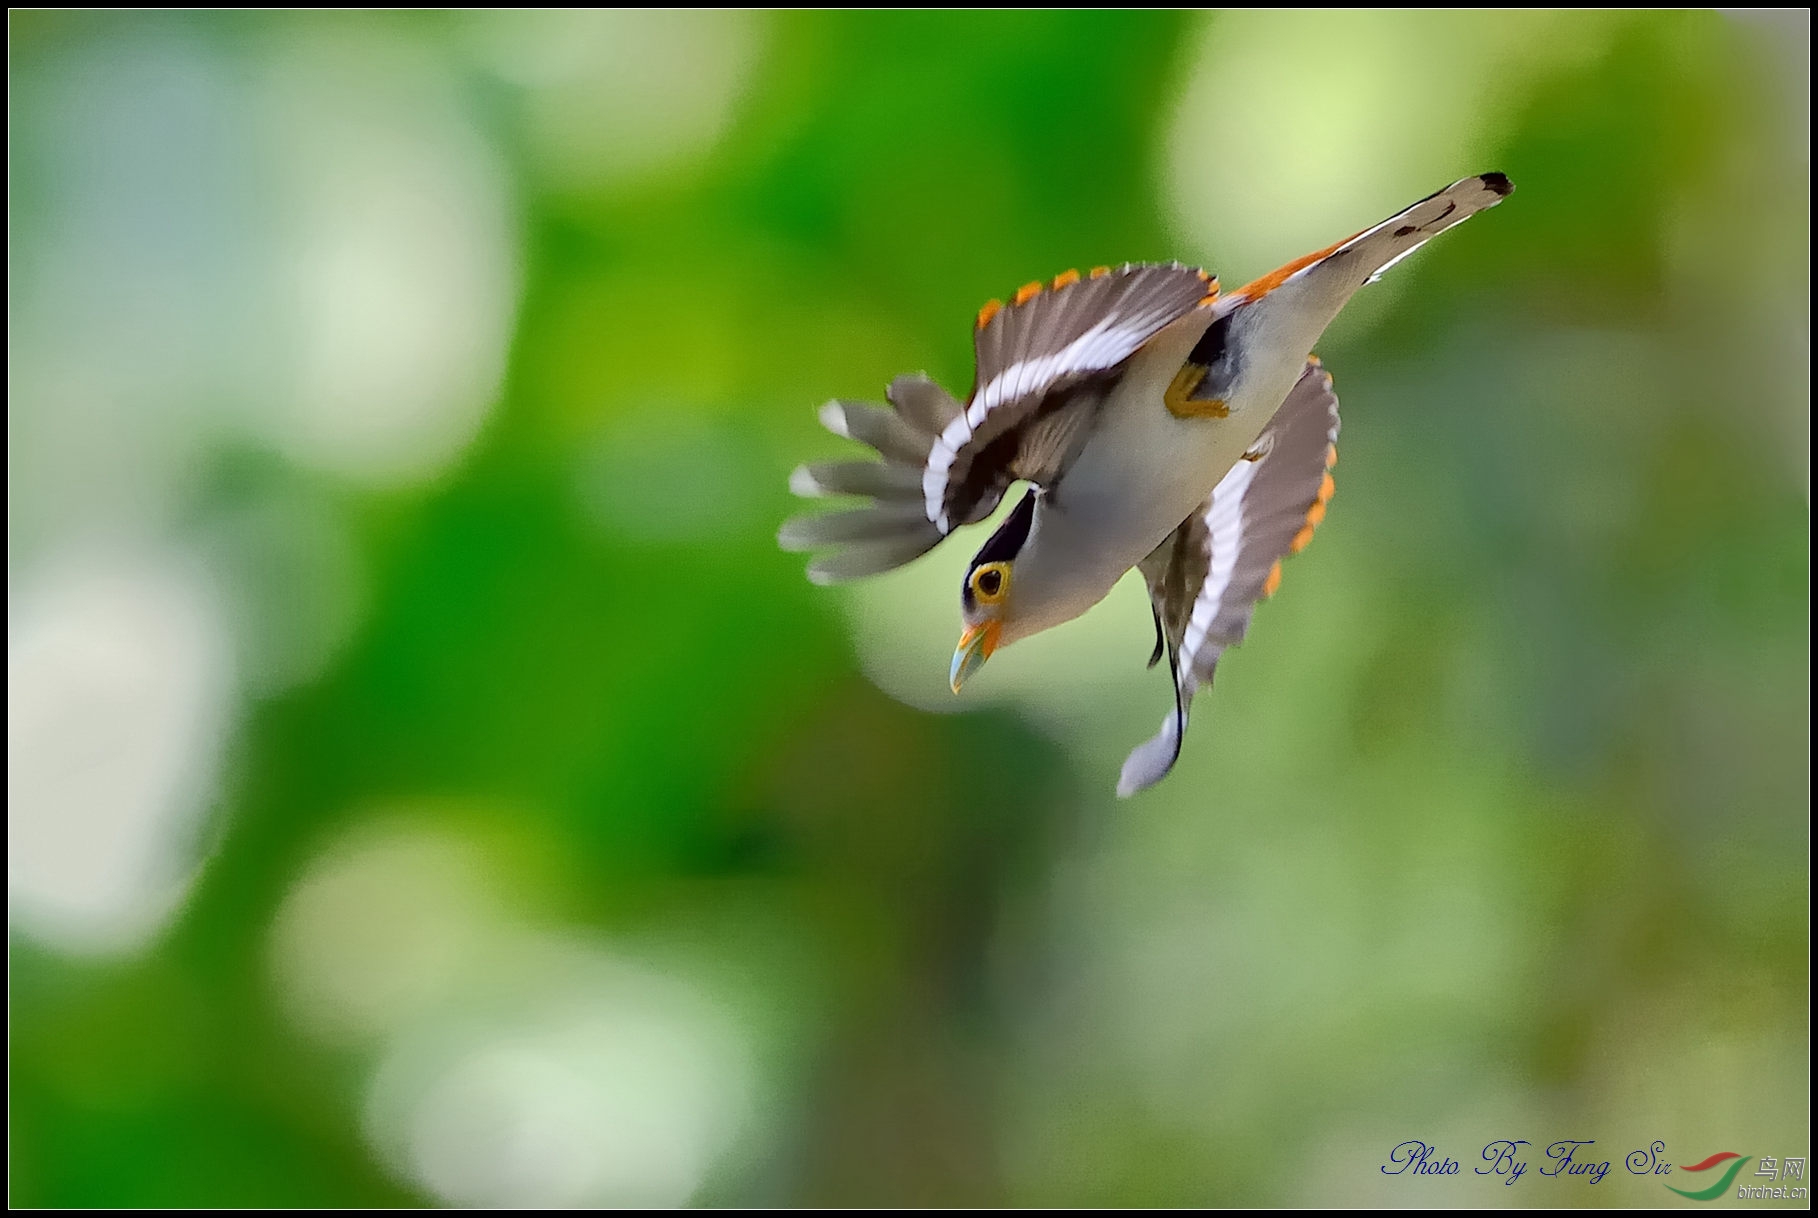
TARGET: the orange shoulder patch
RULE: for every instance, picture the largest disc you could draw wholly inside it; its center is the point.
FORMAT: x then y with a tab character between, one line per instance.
1256	289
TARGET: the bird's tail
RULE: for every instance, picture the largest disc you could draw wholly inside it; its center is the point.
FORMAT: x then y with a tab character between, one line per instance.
1338	270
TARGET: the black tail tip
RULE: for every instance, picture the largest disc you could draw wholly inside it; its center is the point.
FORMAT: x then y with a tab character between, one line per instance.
1497	183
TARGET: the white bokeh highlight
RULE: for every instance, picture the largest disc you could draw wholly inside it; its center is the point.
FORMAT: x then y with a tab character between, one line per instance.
1276	149
300	241
620	1087
135	312
396	276
512	1064
309	243
118	694
616	95
381	927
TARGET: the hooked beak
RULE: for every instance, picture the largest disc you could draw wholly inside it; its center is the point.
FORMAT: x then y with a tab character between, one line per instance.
975	647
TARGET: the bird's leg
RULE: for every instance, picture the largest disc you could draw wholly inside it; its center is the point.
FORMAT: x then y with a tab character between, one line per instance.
1180	707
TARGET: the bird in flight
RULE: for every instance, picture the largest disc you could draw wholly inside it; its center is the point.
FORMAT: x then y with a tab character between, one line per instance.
1162	425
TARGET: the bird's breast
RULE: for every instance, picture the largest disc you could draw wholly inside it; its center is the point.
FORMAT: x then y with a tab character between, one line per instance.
1143	470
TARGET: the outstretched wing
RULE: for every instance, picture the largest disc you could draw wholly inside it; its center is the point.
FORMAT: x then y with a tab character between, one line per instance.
1046	361
1207	577
893	529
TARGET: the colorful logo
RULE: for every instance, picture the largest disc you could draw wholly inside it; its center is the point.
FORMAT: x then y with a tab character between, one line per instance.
1722	1186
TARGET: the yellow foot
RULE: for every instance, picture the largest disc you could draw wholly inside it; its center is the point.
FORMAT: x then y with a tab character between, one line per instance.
1182	405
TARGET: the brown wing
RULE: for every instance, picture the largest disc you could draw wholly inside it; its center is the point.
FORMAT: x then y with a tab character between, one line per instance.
1045	363
894	529
1205	580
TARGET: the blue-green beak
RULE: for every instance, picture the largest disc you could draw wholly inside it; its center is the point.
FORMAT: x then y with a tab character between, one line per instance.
975	647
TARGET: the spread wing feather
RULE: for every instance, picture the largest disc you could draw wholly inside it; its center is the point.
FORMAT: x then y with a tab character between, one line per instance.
894	529
1045	364
869	478
1205	580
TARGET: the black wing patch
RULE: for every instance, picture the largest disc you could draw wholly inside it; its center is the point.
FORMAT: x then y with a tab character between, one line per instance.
1205	580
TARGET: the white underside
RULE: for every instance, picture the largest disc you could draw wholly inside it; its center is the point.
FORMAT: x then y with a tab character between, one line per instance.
1144	470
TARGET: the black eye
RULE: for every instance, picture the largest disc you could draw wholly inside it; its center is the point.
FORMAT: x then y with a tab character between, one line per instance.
990	582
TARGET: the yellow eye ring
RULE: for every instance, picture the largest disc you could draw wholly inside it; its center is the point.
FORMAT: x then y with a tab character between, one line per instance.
991	582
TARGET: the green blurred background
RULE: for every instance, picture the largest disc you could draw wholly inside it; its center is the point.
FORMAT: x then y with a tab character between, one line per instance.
429	784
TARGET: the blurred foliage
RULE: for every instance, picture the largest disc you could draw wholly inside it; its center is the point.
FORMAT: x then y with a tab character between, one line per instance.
1498	828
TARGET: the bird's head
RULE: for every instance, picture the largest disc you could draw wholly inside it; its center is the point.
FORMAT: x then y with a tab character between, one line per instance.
988	600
